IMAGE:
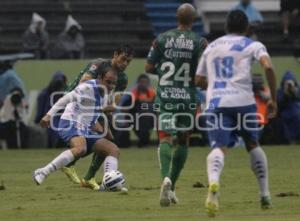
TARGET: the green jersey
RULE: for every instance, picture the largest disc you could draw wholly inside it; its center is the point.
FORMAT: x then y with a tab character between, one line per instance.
97	67
175	55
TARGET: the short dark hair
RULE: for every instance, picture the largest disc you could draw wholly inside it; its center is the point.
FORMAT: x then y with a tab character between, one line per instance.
237	22
126	49
105	70
143	76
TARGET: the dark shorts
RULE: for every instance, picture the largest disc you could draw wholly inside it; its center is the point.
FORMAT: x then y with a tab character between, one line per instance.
227	124
69	129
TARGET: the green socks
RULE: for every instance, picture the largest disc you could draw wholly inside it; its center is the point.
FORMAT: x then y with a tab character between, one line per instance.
178	161
165	154
94	167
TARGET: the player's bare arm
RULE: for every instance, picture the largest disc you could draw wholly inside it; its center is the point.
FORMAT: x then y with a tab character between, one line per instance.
201	81
266	64
97	127
45	121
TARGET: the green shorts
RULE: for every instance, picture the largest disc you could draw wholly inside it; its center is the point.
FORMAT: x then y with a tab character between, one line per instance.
174	123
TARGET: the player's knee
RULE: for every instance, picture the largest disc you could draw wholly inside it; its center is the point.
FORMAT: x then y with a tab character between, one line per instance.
79	151
250	145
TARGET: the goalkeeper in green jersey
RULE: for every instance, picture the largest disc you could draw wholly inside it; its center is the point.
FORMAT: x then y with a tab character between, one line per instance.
121	59
174	57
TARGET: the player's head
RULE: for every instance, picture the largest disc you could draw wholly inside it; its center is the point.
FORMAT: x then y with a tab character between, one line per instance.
186	14
122	57
108	78
143	82
237	22
245	2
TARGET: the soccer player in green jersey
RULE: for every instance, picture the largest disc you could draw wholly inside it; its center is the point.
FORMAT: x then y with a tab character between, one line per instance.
121	59
174	57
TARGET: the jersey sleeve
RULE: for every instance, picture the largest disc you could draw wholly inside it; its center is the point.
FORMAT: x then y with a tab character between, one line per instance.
61	103
202	69
68	98
259	50
199	51
155	53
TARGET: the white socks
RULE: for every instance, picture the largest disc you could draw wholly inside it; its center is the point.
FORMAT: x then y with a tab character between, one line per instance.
259	165
60	161
215	164
110	163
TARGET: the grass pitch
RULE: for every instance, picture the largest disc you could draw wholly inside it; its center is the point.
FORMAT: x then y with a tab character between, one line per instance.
58	199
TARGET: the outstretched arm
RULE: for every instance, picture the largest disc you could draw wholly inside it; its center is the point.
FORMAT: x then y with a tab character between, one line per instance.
266	64
59	105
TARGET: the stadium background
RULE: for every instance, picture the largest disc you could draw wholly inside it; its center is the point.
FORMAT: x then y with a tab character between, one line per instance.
106	24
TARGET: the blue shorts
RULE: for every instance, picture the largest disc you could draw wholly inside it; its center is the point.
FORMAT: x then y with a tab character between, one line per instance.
227	123
69	129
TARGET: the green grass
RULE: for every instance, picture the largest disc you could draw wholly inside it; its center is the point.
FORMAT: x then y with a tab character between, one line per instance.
58	199
37	74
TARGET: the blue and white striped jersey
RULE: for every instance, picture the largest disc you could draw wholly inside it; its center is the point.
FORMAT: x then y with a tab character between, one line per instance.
83	105
226	62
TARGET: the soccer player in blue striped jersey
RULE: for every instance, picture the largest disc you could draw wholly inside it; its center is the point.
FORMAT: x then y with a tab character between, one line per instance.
78	125
224	69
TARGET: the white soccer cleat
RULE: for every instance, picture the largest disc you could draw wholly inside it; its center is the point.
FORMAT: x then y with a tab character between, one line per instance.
39	176
165	190
212	200
173	197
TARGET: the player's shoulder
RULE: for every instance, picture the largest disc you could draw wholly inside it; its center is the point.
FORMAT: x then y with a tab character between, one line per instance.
256	44
95	63
89	84
166	35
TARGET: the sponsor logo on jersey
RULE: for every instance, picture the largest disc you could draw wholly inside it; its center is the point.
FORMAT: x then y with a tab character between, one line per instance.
170	53
180	43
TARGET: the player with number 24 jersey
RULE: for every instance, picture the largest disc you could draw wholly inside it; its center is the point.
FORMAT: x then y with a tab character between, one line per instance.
176	53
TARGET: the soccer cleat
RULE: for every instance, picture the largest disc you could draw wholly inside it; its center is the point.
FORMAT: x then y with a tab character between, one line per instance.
71	174
165	192
173	197
92	184
212	201
265	202
102	188
124	190
39	176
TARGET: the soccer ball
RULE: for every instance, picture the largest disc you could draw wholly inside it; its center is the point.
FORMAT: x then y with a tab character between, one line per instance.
113	181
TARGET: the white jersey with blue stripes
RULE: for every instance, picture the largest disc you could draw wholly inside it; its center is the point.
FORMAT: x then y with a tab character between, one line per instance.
226	62
82	105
